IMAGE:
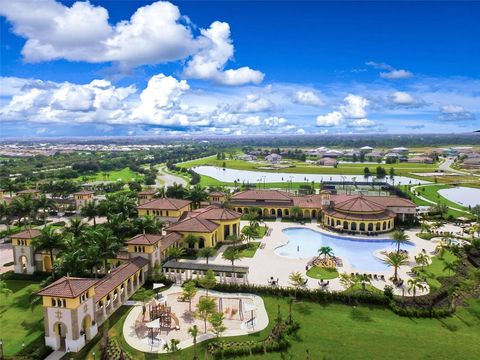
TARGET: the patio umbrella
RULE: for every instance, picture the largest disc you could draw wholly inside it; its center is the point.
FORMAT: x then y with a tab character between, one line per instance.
157	287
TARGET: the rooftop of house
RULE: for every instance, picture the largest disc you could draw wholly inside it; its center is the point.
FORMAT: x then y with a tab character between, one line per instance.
262	195
67	287
144	239
194	224
165	204
27	234
147	192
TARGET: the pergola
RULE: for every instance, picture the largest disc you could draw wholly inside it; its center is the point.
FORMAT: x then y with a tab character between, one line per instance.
181	271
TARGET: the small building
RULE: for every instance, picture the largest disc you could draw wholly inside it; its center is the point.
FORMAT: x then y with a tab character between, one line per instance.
153	247
166	209
146	195
400	150
217	197
246	157
82	198
366	149
33	193
420	160
327	162
24	252
471	163
273	158
333	153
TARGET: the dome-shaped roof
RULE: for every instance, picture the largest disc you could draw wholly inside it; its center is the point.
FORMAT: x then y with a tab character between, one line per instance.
359	204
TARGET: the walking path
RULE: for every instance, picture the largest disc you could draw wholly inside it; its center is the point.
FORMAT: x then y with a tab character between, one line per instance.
447	167
56	355
414	188
166	179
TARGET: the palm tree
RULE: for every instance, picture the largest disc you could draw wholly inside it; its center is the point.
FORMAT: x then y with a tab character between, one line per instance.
395	260
148	225
176	252
107	244
450	266
90	211
425	227
193	332
422	259
191	240
206	252
21	207
297	281
295	211
364	279
248	232
76	227
325	251
196	195
6	213
49	240
45	204
399	237
232	254
413	285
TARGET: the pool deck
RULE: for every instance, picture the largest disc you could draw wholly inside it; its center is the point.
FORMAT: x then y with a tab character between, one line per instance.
266	263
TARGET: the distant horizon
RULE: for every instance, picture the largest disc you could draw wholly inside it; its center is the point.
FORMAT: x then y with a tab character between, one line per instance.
200	68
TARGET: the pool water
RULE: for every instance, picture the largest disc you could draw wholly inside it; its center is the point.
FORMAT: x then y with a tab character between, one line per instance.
304	243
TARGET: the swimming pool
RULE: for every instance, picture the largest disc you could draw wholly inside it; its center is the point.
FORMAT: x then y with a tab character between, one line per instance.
304	243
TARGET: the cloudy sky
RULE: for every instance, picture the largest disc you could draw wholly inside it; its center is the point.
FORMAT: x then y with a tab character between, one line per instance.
159	68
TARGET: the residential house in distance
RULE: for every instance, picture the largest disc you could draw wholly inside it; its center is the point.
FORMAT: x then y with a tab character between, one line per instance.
420	160
273	158
333	153
471	163
246	157
327	162
146	195
366	149
375	155
400	150
82	198
217	197
166	209
33	193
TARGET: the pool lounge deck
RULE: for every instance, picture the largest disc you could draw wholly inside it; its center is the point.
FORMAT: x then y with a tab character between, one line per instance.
266	263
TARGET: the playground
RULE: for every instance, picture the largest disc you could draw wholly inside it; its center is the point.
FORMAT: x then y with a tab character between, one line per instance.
151	325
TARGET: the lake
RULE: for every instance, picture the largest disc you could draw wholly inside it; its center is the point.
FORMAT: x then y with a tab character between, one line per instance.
462	195
231	175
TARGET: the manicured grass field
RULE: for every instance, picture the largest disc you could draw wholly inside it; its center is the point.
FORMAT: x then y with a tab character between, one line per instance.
344	332
125	175
261	231
18	323
318	272
436	269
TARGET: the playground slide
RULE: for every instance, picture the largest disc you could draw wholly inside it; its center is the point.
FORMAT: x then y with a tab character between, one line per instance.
175	319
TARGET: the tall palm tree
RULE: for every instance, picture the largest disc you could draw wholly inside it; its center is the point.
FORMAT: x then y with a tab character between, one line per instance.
450	266
325	251
414	284
21	207
5	214
193	331
148	225
398	238
45	204
206	252
76	227
176	252
191	240
196	195
90	211
232	254
363	279
422	259
395	260
296	211
107	244
49	240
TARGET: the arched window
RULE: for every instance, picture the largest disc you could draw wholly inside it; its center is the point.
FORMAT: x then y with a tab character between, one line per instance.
353	226
370	227
377	226
362	226
384	225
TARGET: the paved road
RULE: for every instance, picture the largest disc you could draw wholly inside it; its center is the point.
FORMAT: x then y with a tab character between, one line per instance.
166	179
446	167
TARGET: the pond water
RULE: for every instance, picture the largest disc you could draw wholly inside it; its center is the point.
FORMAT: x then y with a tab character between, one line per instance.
304	243
231	175
465	196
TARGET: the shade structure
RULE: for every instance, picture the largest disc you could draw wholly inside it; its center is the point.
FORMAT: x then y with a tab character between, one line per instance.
158	286
154	324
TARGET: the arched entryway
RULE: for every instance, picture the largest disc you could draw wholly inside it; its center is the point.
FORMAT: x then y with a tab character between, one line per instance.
362	227
201	243
353	226
60	331
279	212
370	227
307	214
314	213
86	326
272	211
345	225
23	261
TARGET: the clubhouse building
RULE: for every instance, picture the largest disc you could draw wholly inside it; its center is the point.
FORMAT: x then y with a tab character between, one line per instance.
352	213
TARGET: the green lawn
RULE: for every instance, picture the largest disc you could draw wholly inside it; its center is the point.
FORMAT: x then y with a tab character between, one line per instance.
435	269
431	193
250	249
343	332
19	324
318	272
125	175
261	231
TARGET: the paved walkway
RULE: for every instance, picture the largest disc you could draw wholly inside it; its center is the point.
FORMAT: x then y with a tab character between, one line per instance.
266	263
166	179
134	341
414	188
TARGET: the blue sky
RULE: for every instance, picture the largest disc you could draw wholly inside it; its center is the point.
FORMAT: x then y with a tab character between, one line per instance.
146	68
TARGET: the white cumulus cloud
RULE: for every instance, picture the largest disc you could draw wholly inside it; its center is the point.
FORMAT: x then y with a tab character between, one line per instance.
307	98
391	73
335	118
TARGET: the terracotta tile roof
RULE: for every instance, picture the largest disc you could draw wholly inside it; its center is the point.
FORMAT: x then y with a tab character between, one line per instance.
358	204
117	276
384	215
144	239
165	204
217	193
262	195
84	192
28	191
170	239
215	213
194	224
67	287
27	234
390	201
310	201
